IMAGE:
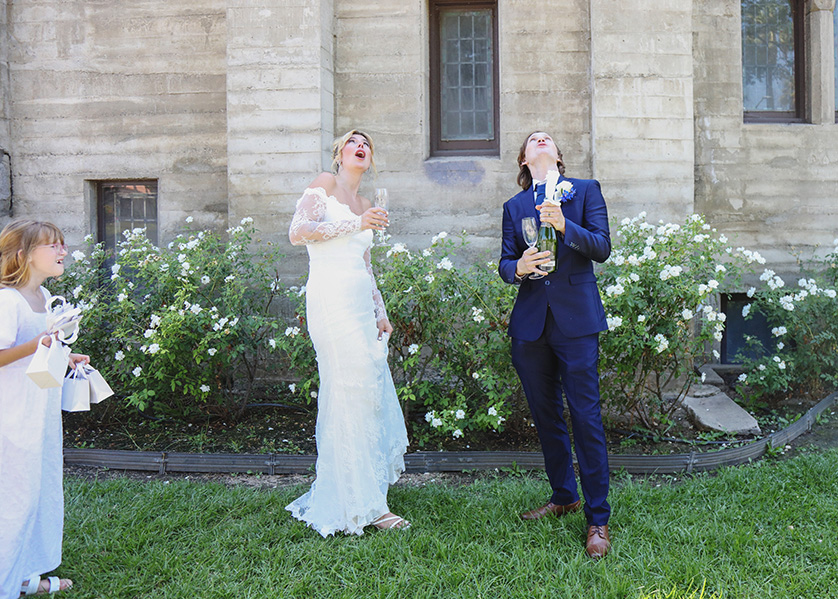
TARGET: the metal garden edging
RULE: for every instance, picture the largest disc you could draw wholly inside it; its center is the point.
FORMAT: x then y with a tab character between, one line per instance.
442	461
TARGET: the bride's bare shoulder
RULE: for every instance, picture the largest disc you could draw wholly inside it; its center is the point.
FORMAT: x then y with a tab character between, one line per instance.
325	181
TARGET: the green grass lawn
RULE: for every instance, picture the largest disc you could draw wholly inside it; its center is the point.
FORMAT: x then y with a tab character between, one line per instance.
766	530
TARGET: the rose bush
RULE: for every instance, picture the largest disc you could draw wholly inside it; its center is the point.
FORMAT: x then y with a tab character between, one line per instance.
660	288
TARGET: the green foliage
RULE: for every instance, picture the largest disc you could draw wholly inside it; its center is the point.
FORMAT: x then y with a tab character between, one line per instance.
803	356
449	350
659	288
185	328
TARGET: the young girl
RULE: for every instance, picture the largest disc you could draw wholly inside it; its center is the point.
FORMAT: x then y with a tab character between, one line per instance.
31	462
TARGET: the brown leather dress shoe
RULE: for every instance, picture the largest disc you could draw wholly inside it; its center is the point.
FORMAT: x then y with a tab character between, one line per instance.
551	509
598	542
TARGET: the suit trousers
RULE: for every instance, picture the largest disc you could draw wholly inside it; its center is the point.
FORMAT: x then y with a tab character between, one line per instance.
547	367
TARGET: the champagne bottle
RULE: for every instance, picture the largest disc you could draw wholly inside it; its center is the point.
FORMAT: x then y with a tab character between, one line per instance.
547	240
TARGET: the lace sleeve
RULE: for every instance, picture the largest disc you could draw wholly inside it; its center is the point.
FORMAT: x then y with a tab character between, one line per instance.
380	309
307	225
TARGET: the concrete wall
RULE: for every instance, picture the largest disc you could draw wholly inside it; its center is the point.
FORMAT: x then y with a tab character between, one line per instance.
5	117
232	105
643	106
381	81
772	187
111	90
280	107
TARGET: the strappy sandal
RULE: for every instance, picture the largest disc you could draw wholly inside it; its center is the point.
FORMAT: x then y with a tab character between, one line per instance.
387	522
33	586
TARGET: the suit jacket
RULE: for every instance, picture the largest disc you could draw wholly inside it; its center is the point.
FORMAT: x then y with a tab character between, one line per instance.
571	291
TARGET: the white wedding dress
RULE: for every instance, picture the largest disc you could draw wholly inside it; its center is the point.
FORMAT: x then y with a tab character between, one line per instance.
360	432
31	456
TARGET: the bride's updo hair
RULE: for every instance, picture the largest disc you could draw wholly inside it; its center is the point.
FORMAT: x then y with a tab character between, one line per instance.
337	148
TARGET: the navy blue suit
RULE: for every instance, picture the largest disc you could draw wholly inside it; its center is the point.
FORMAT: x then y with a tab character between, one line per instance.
555	343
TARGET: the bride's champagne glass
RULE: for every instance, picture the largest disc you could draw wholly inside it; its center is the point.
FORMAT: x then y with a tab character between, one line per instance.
381	201
530	231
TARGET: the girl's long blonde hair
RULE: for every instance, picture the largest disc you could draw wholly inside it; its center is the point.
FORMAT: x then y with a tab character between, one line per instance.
17	241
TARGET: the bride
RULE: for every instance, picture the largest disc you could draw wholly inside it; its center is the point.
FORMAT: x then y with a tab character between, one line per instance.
360	432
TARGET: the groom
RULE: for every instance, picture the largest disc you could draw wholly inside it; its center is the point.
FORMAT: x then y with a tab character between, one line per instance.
555	327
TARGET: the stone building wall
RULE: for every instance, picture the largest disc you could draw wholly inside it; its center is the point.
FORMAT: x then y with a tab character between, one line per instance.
116	90
5	122
232	105
770	186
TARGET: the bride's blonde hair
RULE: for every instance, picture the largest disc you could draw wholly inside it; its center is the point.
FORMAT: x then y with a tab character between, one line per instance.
340	142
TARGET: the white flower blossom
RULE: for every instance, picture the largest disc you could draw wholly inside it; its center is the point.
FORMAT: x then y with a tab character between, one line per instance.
441	235
292	387
614	322
189	219
148	333
429	278
477	314
229	278
746	310
475	375
662	343
398	248
459	414
614	290
195	309
743	378
687	314
205	388
119	356
457	433
780	345
204	280
212	351
313	394
78	255
436	422
292	331
246	220
137	371
430	416
641	318
272	343
412	348
445	264
153	348
751	291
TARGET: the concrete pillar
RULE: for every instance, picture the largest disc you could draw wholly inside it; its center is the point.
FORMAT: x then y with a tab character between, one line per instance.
820	64
642	96
280	105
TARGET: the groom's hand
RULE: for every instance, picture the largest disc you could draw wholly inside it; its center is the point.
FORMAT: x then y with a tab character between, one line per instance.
529	262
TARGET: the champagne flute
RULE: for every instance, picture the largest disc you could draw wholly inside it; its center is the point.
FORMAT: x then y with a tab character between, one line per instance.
530	232
381	201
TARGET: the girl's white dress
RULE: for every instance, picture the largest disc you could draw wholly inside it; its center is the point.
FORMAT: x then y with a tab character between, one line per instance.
360	432
31	457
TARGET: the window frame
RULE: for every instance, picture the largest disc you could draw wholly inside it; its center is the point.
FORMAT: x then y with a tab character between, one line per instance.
100	206
797	115
439	147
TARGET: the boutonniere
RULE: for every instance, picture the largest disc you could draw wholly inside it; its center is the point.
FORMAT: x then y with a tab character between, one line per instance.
560	192
565	191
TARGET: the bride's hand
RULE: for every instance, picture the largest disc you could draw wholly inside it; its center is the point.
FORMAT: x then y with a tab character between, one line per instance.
384	326
374	218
